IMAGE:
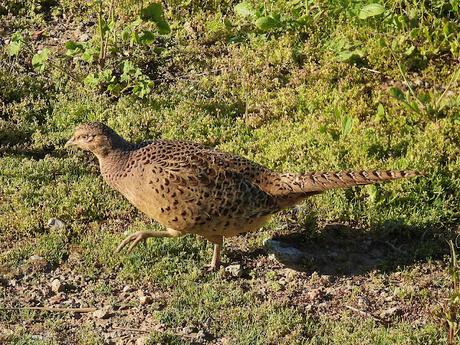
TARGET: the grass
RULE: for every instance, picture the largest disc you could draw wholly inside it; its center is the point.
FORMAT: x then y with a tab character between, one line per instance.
323	90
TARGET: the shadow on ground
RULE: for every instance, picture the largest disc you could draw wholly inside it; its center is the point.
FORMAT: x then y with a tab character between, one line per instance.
338	249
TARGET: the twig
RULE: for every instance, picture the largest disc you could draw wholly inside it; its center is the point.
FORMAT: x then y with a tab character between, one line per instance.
55	309
454	78
407	83
128	329
102	36
365	313
371	70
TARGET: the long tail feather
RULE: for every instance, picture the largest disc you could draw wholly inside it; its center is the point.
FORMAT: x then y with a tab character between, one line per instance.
318	182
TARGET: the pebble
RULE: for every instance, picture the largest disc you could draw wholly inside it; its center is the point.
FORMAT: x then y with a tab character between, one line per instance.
84	37
102	313
37	337
393	311
200	335
55	224
313	295
56	286
57	298
142	340
283	252
325	279
234	270
188	330
128	288
144	300
38	261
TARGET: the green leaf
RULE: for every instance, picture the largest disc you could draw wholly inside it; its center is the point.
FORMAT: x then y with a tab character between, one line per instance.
153	12
128	67
107	75
245	9
163	27
142	87
347	125
135	38
39	59
409	50
71	45
17	37
129	70
380	112
104	26
371	10
17	41
349	56
266	23
14	48
397	93
382	42
88	55
114	88
147	37
74	48
91	80
125	34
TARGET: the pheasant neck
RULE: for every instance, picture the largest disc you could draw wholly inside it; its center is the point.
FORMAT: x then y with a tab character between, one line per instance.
113	163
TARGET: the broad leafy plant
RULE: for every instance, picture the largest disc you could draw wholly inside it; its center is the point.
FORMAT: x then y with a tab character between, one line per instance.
266	20
106	60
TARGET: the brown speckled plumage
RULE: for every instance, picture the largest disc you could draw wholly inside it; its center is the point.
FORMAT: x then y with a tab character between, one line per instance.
191	188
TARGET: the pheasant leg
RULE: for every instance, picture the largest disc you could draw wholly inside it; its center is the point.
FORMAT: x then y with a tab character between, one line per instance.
218	243
215	262
142	236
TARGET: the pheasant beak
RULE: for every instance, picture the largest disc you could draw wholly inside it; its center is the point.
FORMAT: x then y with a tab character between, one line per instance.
70	142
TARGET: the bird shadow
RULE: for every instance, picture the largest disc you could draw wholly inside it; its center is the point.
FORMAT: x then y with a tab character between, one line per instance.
344	250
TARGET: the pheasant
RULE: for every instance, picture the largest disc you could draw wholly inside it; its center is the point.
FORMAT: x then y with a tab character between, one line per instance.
191	188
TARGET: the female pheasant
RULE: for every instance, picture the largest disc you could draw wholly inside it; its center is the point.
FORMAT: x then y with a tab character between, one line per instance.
192	188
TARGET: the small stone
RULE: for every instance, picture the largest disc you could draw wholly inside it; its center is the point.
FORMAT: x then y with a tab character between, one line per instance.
312	295
38	337
37	258
144	300
123	307
325	279
234	270
188	330
363	301
390	312
55	224
38	261
314	276
309	307
84	37
128	288
283	252
56	286
103	313
315	295
200	335
57	298
142	340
